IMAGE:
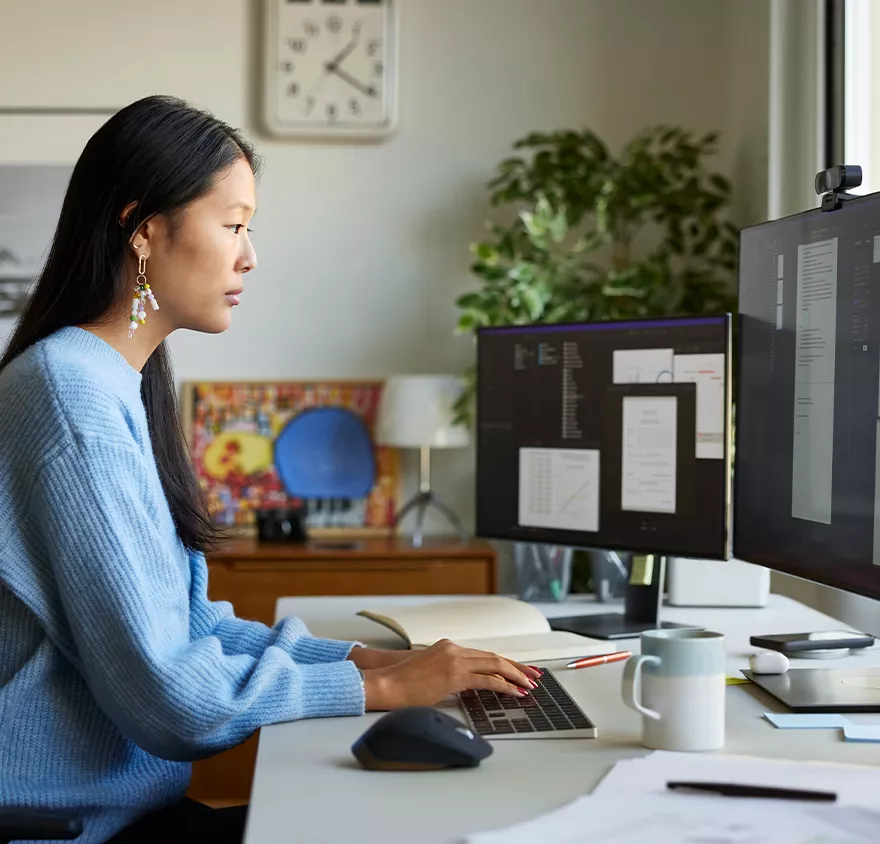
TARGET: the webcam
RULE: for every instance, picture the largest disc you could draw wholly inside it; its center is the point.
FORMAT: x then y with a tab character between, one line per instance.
840	177
833	183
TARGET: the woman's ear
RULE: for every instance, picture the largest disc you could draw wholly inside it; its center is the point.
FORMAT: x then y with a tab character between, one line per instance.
140	245
126	213
147	233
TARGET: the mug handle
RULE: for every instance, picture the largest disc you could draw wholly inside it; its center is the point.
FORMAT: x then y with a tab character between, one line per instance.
632	684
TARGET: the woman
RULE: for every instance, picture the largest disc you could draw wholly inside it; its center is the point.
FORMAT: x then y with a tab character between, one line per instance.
115	668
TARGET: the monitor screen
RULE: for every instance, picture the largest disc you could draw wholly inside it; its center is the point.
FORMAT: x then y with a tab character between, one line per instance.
806	474
606	435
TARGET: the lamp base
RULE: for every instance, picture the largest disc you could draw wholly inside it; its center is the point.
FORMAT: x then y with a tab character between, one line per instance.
420	503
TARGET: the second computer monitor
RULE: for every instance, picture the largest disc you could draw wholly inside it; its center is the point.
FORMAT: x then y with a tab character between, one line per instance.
606	435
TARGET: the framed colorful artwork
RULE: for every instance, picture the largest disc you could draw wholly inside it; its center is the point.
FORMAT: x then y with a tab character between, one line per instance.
260	445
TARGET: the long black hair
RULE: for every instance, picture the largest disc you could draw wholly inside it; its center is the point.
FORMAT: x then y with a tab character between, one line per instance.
162	154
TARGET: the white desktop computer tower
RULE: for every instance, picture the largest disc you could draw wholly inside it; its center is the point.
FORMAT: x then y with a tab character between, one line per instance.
715	583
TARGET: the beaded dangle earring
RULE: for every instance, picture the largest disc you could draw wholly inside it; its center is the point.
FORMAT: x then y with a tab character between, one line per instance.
142	293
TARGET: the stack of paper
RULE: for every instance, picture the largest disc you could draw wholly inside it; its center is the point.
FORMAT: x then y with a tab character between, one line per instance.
632	805
854	784
681	819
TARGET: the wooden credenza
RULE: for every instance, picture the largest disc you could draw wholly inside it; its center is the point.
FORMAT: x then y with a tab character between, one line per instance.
252	575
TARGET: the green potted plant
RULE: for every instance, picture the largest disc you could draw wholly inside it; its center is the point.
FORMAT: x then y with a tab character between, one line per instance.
583	234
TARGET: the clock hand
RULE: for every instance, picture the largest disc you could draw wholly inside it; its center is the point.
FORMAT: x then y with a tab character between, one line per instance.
370	91
334	63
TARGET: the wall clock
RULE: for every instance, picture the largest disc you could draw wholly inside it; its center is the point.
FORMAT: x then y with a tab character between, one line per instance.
330	68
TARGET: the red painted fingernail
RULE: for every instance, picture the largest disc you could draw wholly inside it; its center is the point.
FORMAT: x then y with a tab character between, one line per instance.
524	691
534	684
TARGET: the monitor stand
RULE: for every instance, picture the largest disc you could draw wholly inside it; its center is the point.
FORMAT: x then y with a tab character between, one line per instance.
641	608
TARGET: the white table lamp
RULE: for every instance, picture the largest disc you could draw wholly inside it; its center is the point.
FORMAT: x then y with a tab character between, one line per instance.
416	412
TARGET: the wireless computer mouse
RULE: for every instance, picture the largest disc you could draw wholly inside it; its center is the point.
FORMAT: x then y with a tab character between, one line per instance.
419	738
768	662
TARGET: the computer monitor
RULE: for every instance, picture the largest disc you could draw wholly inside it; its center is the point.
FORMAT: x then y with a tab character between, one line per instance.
607	435
807	473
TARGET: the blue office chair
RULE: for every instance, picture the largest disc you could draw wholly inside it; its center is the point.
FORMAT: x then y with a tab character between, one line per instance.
326	453
28	825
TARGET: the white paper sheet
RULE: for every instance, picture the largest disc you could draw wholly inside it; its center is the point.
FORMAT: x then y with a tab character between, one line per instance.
708	373
854	784
559	488
642	366
685	819
632	805
816	340
649	454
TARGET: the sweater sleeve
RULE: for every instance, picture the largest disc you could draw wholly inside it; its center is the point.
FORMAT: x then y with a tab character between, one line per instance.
242	636
125	595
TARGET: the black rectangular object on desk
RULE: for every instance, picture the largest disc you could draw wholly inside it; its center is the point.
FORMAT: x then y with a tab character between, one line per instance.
818	641
823	689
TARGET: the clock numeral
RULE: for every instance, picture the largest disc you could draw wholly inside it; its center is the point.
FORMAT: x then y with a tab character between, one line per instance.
334	24
310	105
378	68
354	107
287	67
298	45
293	90
332	112
356	28
373	48
312	29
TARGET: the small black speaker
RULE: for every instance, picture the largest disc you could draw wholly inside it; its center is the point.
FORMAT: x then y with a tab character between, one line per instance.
282	524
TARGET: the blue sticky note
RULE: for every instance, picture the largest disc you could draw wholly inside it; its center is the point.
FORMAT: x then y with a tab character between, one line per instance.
857	732
806	721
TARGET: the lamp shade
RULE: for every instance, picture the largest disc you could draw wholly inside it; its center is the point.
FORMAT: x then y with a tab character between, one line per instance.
416	411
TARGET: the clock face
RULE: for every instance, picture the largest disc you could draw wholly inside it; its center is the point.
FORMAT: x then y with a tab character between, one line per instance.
330	67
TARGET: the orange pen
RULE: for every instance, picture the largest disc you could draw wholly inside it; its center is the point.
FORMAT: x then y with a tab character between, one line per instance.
601	659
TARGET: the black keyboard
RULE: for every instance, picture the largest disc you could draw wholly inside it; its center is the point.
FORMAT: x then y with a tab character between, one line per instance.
546	712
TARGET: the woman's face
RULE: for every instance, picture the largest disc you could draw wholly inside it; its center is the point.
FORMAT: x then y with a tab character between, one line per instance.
196	261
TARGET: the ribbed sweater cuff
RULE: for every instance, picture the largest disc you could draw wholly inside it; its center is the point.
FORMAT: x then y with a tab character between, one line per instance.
309	650
331	689
245	637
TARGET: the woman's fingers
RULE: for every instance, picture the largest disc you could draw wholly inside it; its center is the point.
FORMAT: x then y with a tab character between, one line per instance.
528	670
498	665
494	683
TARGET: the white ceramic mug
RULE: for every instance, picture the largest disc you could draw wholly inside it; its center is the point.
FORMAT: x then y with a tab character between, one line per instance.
678	685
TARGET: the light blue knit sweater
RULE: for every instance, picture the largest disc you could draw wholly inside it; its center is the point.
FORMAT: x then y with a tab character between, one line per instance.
115	668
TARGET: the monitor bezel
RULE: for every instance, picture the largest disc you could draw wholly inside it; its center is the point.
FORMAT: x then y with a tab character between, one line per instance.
541	537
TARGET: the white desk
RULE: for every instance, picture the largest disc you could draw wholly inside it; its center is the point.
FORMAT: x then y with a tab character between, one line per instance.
309	788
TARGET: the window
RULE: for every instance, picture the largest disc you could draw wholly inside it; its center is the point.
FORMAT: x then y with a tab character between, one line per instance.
861	91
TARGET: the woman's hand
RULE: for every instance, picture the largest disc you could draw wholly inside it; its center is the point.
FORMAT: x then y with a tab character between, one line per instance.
367	658
425	677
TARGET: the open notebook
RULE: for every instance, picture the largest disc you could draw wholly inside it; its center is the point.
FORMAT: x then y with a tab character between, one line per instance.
510	628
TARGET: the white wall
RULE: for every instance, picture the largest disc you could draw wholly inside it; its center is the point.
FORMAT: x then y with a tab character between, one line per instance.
363	248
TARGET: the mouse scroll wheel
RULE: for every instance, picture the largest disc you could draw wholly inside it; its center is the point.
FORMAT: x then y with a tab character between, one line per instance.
464	731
